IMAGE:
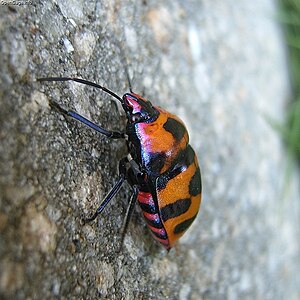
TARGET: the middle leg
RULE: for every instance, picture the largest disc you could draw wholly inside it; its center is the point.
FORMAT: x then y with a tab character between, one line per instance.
115	189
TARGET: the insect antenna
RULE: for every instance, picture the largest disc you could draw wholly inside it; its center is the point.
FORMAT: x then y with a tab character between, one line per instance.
104	89
128	78
125	64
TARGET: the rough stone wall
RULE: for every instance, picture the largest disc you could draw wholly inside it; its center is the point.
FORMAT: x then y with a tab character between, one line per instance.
220	65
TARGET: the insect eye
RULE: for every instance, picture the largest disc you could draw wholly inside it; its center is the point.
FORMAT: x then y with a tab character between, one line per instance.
137	117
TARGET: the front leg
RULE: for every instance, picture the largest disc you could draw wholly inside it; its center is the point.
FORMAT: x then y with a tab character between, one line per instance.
78	117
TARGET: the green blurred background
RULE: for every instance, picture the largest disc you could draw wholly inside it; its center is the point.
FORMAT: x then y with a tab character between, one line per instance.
290	18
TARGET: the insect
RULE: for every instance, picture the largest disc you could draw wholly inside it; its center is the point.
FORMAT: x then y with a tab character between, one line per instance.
161	166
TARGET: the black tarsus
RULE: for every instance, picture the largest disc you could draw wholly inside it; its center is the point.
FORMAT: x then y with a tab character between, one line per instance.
56	106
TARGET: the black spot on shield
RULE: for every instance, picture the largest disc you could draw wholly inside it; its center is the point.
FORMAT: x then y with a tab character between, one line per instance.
195	186
175	128
175	209
183	226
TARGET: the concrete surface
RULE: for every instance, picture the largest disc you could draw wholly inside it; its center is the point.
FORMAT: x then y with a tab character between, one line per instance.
221	66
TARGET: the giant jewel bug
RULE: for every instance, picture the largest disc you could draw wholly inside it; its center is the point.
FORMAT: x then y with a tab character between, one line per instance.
161	166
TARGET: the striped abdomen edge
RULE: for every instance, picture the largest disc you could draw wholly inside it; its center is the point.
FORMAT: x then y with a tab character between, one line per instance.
151	215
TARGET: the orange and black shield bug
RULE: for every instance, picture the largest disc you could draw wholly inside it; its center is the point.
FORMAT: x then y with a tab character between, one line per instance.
161	166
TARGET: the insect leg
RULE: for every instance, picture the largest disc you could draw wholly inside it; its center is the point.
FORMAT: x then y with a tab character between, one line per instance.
112	192
70	113
128	215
